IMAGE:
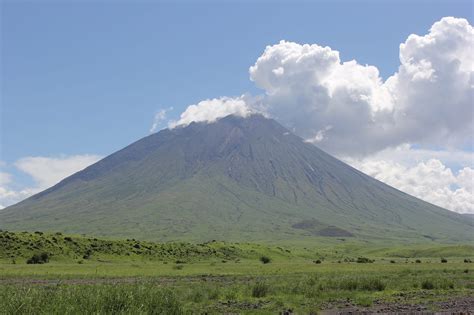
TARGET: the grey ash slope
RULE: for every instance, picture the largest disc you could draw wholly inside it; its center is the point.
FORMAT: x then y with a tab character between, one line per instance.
235	179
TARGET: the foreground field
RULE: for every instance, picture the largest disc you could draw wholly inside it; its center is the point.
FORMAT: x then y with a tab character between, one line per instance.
229	278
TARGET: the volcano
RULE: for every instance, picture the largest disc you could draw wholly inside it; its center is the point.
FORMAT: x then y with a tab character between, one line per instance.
238	179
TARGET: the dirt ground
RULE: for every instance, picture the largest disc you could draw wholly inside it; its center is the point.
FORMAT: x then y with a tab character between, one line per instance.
458	305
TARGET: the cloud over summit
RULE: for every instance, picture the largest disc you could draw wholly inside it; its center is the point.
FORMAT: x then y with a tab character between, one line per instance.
212	109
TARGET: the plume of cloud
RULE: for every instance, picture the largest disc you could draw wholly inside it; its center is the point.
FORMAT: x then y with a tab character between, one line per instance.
159	119
212	109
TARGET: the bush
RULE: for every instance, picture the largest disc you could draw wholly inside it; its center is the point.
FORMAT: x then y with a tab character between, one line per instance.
427	285
444	260
265	259
392	261
260	289
372	285
87	254
467	261
317	261
418	261
364	260
42	258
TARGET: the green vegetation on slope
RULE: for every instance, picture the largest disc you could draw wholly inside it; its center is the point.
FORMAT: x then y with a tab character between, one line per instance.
19	246
236	180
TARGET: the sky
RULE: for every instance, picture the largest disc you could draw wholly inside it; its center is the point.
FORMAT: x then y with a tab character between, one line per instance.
82	79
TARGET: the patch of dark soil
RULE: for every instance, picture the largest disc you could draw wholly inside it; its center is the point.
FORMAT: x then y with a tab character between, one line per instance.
334	231
320	229
457	305
231	305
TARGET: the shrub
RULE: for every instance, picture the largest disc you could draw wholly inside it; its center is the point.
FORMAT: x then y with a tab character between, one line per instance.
265	259
444	260
87	254
364	301
418	261
364	260
213	294
427	285
372	285
467	261
260	289
392	261
38	259
317	261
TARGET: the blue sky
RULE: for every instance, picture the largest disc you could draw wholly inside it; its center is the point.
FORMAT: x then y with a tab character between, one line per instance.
87	78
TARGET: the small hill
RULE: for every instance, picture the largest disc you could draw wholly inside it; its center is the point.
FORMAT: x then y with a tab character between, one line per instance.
238	179
19	246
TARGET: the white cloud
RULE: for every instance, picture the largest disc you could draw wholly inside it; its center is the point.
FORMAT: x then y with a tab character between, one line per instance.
45	171
429	179
212	109
433	88
314	90
428	101
159	118
5	178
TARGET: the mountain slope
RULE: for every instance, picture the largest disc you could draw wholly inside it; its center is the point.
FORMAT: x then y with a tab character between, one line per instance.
236	179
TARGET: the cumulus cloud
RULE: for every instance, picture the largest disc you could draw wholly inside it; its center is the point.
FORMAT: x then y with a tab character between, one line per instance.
429	180
308	88
212	109
428	101
45	171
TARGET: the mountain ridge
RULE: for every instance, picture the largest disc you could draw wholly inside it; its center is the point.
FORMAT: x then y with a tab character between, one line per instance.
234	179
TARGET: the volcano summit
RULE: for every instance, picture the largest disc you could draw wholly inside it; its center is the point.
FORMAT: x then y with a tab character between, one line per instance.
235	179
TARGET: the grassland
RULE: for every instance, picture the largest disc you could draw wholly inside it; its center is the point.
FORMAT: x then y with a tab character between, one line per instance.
87	275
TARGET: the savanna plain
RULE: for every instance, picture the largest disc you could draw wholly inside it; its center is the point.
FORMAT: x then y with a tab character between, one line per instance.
54	273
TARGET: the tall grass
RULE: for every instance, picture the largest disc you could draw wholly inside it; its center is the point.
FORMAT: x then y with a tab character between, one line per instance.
89	299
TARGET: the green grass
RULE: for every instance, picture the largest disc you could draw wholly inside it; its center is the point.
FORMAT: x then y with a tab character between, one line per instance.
133	277
225	290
